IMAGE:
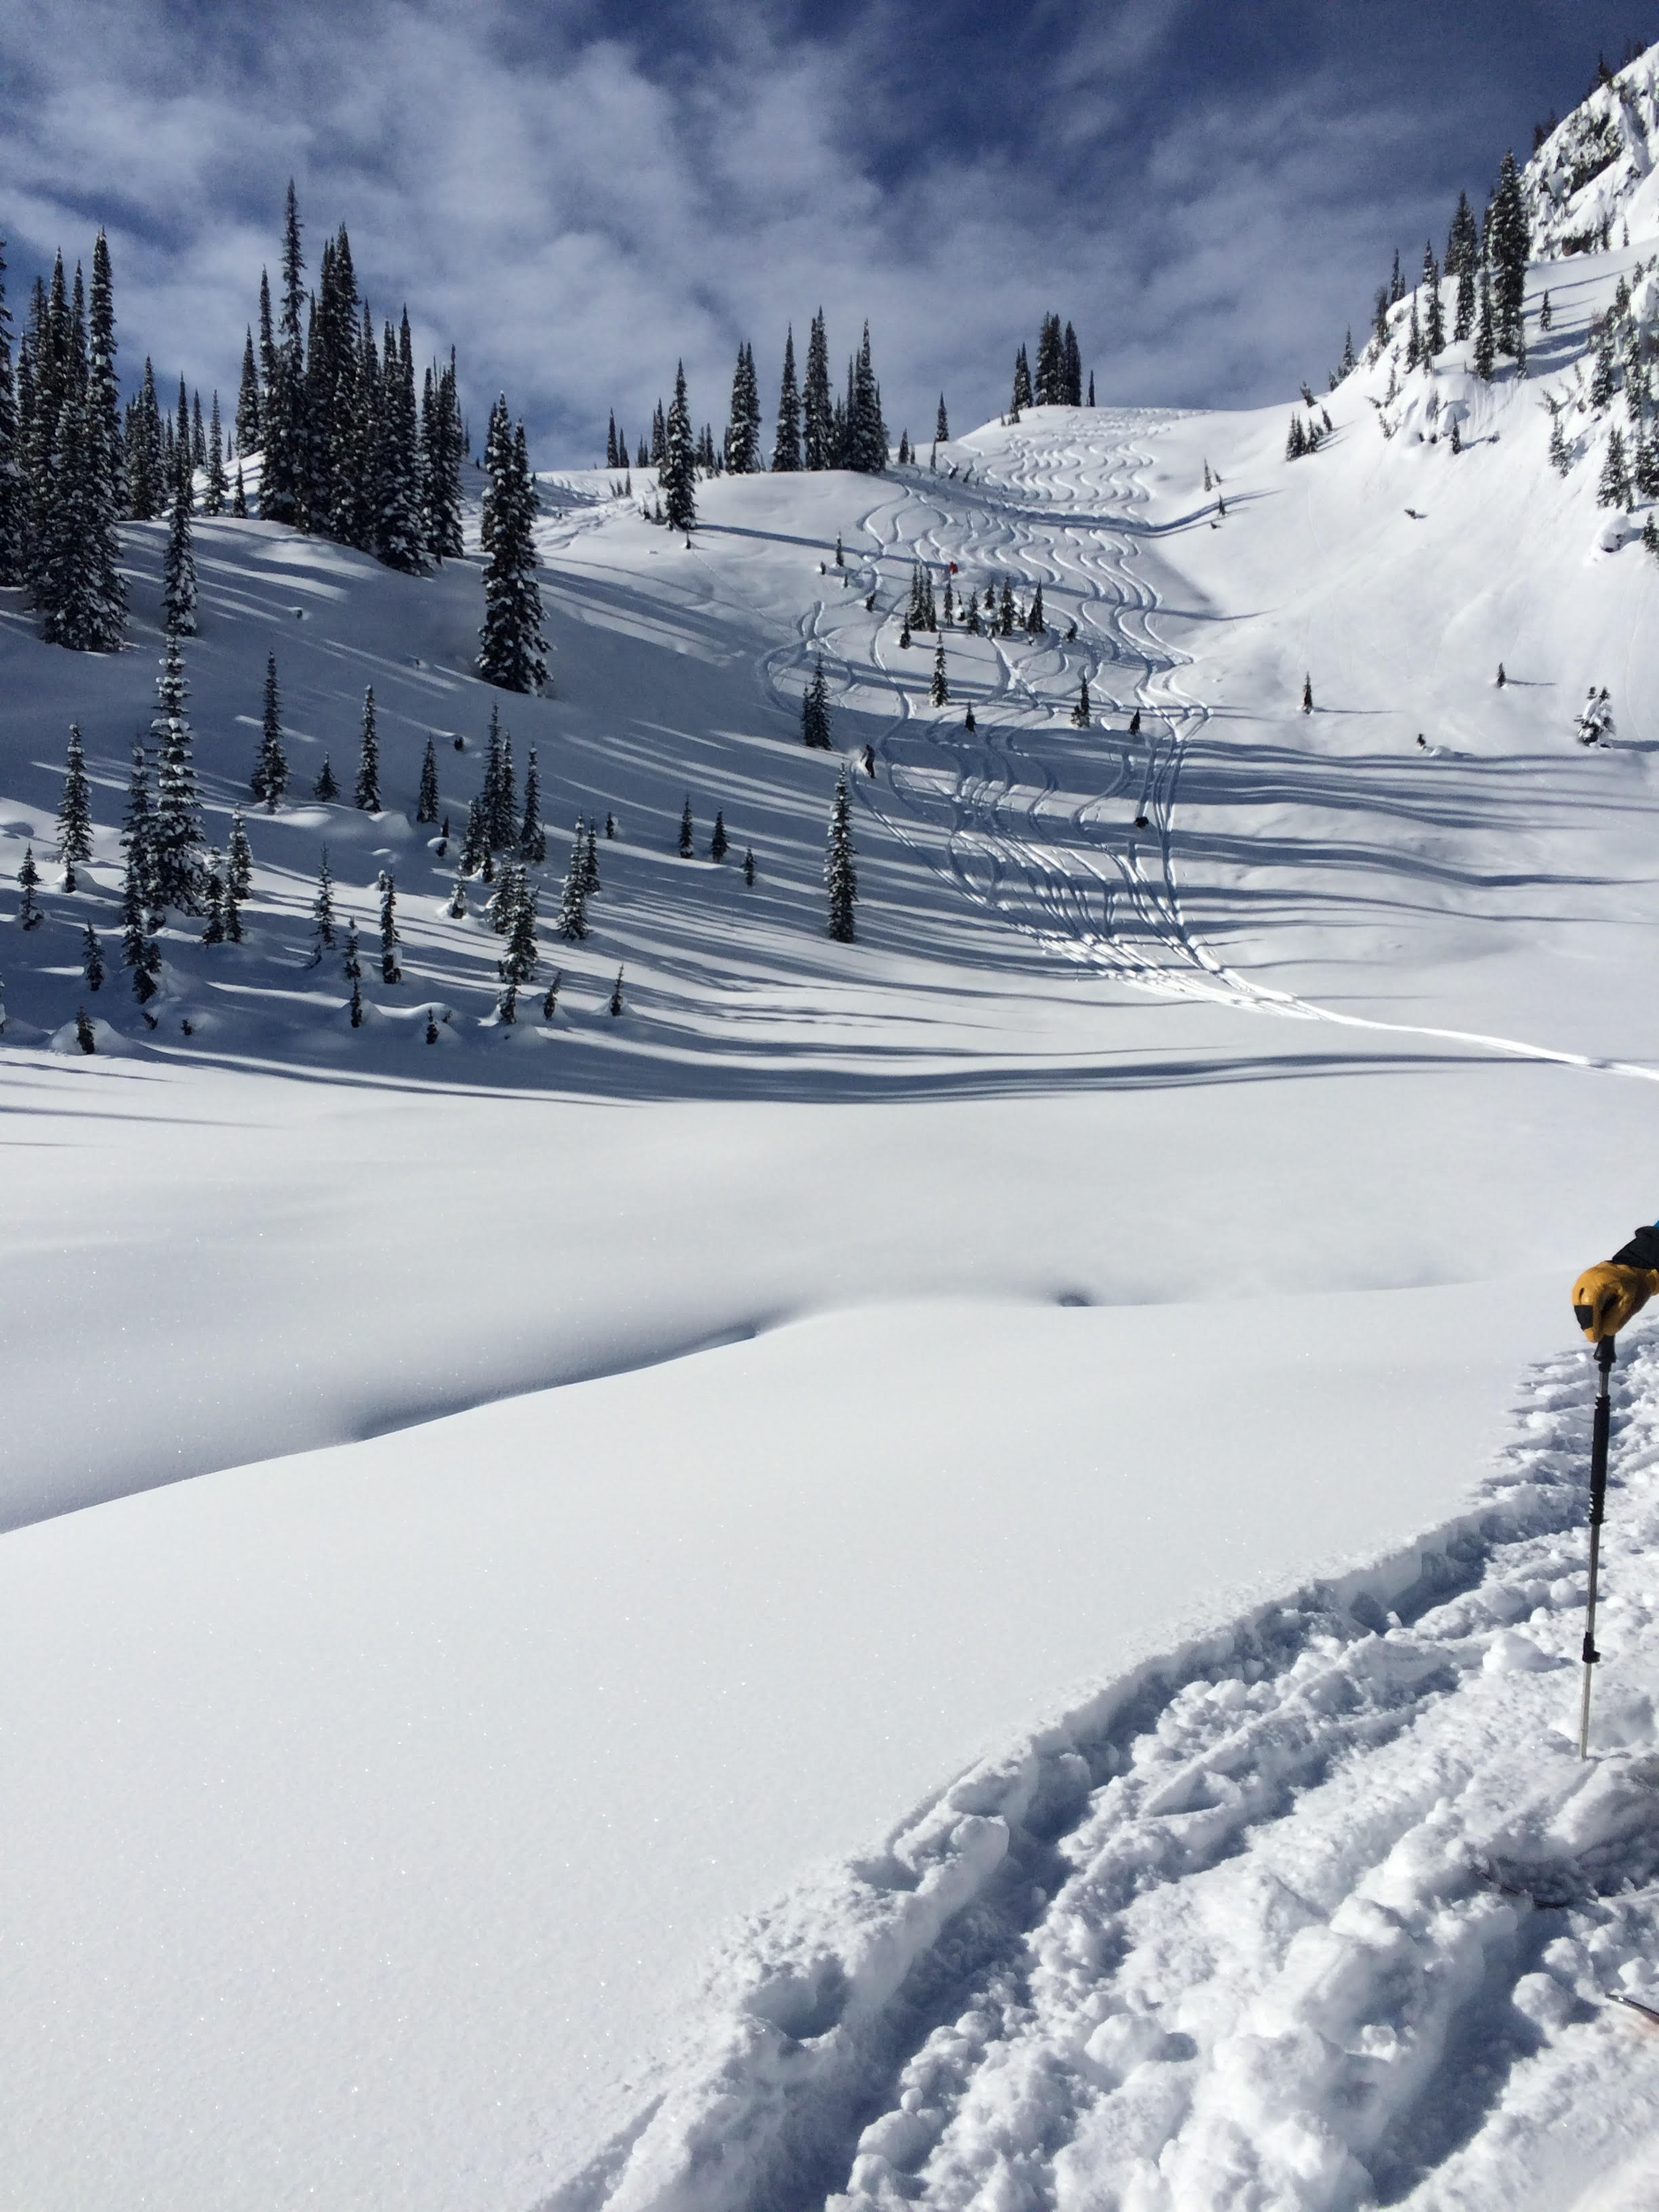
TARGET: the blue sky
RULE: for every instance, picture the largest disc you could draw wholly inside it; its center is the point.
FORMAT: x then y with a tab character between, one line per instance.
576	193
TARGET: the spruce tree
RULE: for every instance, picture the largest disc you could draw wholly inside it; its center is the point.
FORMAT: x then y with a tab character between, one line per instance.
285	486
353	969
719	844
247	403
1434	326
74	806
815	711
1080	711
749	867
179	564
1051	364
426	800
85	1035
521	957
322	907
687	831
511	645
1508	246
1560	459
239	496
1604	375
12	486
213	898
29	916
139	949
104	387
743	434
1073	379
446	450
1486	342
532	837
941	423
866	433
366	792
92	958
239	876
786	446
1034	624
549	1003
1613	490
939	691
177	837
572	921
679	496
327	786
818	438
616	1007
213	496
839	876
1022	397
270	779
390	971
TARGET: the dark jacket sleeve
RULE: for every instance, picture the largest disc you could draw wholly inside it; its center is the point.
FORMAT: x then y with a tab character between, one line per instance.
1642	1251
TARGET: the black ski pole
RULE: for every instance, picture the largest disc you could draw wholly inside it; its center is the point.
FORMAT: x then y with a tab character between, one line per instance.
1604	1357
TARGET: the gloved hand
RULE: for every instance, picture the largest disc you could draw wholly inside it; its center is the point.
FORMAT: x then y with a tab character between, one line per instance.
1609	1294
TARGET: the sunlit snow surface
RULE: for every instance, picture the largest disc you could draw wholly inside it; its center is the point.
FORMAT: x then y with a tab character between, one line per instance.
711	1431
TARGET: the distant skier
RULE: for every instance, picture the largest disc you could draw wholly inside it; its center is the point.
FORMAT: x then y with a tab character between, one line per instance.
869	760
1596	722
1502	678
1422	742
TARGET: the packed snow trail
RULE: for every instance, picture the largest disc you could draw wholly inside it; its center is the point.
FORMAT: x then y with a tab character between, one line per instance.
1321	1913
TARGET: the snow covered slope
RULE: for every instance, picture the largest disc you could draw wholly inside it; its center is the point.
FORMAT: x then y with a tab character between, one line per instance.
1136	1224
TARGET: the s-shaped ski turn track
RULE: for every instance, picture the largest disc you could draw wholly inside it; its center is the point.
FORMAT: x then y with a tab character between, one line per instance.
1062	831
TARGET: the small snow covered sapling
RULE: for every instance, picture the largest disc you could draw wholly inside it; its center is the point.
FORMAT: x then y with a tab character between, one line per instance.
239	876
749	867
83	1036
1502	678
354	976
610	825
1307	695
270	779
327	786
322	906
686	830
456	909
1081	712
92	959
431	1026
839	876
591	883
617	994
549	1003
968	723
74	809
719	845
29	916
213	900
840	557
904	636
815	709
367	793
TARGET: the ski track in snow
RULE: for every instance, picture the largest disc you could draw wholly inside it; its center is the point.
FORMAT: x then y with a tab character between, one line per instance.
1018	840
1320	1912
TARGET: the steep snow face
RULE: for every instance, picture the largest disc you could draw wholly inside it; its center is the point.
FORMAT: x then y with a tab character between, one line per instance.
1596	169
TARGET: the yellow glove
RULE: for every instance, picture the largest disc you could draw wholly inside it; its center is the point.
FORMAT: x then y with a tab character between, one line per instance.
1609	1294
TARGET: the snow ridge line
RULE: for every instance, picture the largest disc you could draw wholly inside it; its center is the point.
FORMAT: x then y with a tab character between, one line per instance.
874	2032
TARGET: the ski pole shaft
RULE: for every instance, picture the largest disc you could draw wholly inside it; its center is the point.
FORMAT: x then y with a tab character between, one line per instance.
1604	1358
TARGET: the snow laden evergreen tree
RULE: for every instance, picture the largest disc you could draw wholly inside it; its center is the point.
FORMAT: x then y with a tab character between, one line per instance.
400	490
521	957
814	712
176	840
270	779
139	950
591	861
1434	319
354	973
327	786
866	448
817	439
426	800
571	923
719	844
786	446
1614	488
1486	335
284	488
1509	244
676	481
688	833
247	403
446	450
1050	384
239	876
1035	625
75	805
532	836
29	916
179	564
1022	397
1073	365
213	897
322	907
367	791
213	493
12	562
941	423
92	958
390	940
511	645
1080	711
839	877
1463	262
743	447
939	690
